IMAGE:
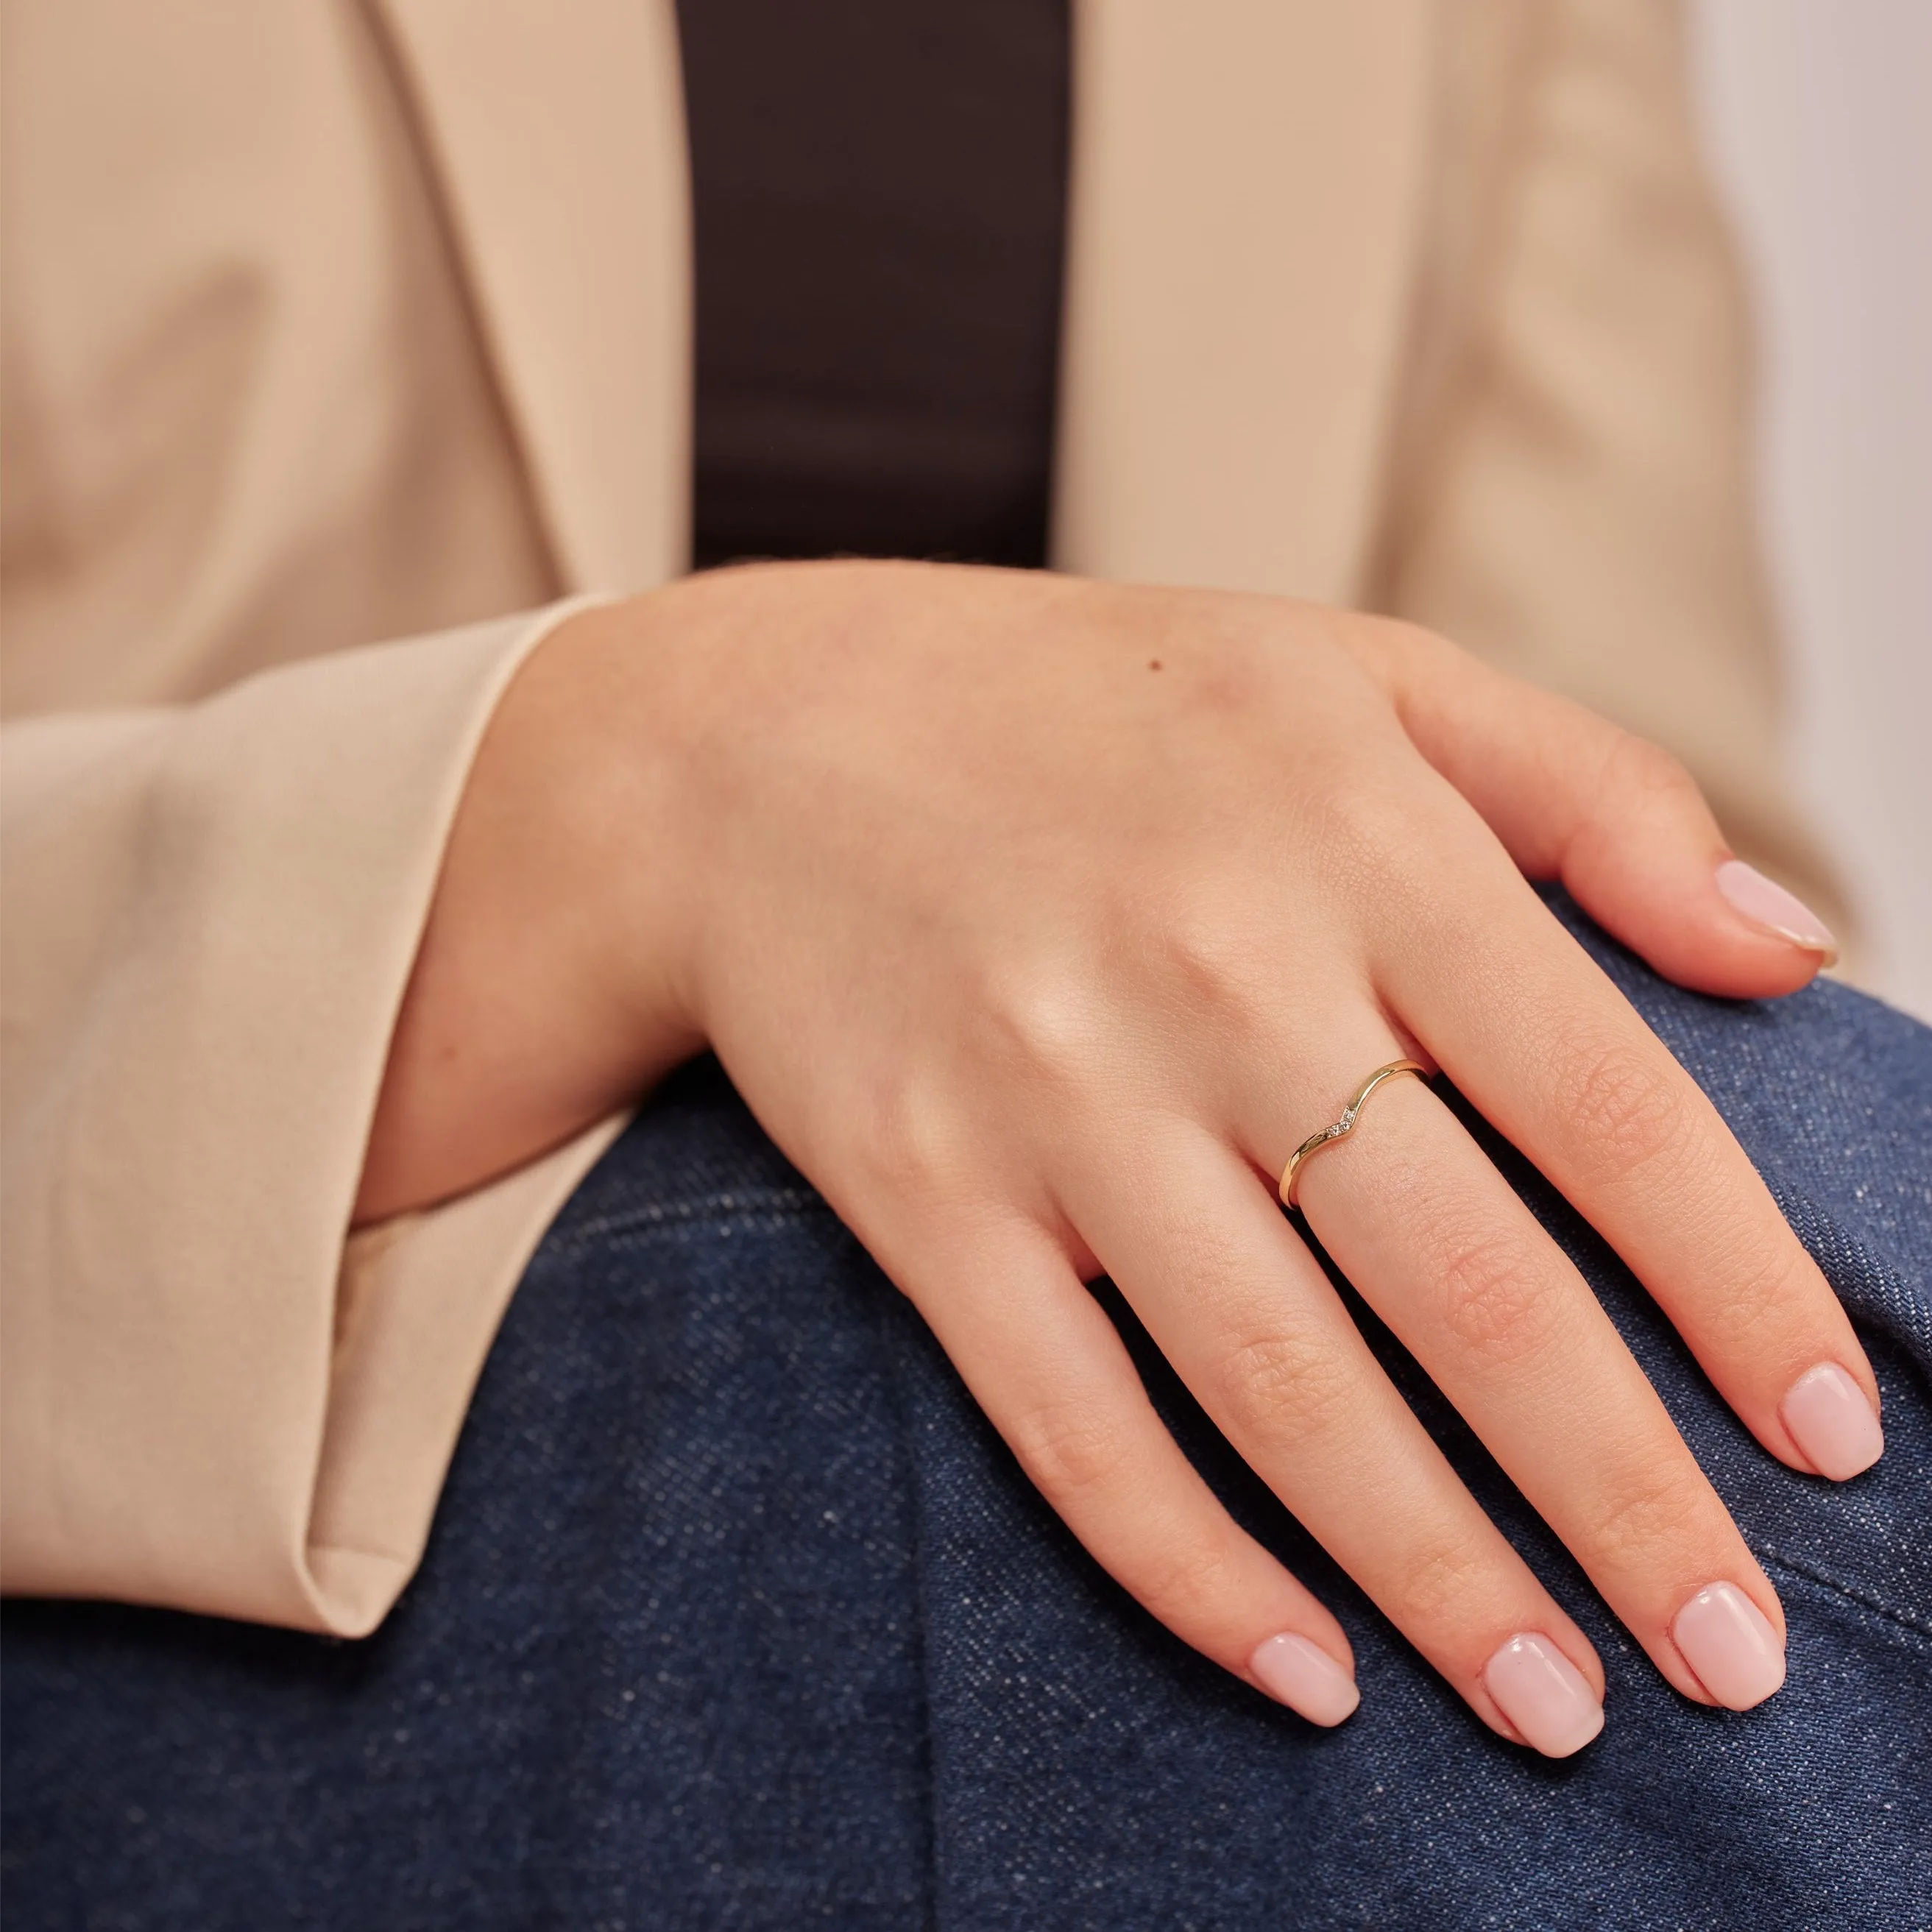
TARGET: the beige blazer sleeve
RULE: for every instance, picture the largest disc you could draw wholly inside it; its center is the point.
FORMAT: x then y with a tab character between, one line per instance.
212	913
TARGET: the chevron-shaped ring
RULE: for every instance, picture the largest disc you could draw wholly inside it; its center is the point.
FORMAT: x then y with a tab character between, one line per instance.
1346	1126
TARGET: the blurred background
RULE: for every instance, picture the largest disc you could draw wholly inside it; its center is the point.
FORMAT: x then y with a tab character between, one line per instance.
1816	124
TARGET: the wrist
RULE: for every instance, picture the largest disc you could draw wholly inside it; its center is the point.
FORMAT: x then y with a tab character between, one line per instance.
550	986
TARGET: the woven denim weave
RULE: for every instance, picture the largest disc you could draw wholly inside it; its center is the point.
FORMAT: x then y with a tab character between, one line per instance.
737	1614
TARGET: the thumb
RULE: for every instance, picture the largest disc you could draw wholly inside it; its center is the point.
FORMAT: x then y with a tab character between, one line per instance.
1621	824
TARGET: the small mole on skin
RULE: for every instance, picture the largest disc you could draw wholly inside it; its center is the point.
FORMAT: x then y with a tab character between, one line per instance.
1153	664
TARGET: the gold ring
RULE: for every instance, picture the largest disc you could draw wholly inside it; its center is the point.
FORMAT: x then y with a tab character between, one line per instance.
1315	1143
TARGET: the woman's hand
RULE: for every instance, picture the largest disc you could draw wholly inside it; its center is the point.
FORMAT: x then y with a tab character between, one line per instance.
1039	921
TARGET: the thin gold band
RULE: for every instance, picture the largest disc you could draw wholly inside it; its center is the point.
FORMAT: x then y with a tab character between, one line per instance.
1346	1126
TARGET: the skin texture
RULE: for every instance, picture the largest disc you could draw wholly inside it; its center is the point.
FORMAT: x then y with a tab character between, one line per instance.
1038	920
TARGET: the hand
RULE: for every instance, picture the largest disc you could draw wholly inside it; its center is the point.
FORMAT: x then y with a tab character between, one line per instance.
1038	921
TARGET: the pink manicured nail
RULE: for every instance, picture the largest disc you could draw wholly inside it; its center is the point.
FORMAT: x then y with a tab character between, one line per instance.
1305	1677
1831	1421
1544	1695
1764	902
1730	1644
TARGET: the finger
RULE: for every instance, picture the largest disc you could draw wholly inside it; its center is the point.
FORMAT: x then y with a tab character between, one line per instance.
1439	1245
1047	1366
1552	1055
1621	824
1239	1306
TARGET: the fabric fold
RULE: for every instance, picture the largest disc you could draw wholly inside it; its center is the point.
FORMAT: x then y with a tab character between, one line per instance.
213	912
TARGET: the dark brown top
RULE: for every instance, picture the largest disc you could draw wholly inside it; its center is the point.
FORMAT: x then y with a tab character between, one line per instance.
880	191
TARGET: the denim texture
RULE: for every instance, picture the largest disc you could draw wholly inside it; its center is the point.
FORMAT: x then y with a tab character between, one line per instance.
736	1614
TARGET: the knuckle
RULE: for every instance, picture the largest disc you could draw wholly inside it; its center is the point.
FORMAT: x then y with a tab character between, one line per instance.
1628	1118
1202	949
1636	769
1071	1451
1437	1581
1372	827
1420	648
1280	1386
1385	849
1394	649
906	1144
1189	1574
1040	1027
1760	1290
1651	1511
1495	1300
1089	1469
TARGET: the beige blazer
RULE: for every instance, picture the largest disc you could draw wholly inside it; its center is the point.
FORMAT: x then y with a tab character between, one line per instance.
327	323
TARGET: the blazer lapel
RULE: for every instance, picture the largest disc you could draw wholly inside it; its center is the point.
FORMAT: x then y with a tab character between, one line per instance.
1247	181
558	134
1246	185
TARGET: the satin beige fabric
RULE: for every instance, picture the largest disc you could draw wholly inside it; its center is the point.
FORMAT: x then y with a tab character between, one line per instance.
327	323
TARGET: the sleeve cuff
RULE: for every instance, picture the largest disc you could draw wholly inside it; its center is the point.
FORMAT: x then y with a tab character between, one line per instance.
212	1401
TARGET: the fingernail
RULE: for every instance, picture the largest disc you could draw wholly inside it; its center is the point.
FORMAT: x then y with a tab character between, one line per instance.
1764	902
1544	1695
1305	1677
1730	1644
1831	1420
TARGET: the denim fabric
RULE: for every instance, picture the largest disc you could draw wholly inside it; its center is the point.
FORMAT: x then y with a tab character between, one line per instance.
736	1614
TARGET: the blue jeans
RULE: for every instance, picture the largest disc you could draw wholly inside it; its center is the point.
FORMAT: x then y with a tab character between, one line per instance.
737	1614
